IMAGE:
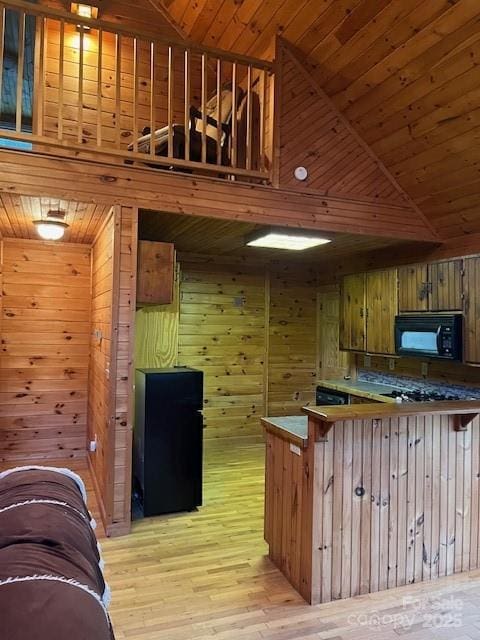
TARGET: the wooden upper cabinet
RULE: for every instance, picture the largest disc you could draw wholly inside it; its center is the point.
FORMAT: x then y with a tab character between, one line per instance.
413	288
155	272
431	287
352	313
382	307
472	311
446	285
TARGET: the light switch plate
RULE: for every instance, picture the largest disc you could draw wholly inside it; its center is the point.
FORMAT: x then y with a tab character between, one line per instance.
391	364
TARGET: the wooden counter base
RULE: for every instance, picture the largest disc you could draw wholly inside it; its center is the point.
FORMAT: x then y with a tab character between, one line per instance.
381	503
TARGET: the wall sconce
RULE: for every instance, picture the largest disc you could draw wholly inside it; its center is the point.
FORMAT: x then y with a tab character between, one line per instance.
87	11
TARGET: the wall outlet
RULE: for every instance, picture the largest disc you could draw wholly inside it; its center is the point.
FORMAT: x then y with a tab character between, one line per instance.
367	362
424	369
93	445
391	364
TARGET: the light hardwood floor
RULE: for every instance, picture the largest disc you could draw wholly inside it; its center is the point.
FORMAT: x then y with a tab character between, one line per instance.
205	576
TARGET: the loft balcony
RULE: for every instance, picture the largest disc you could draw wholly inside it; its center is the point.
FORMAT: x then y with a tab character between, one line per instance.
80	88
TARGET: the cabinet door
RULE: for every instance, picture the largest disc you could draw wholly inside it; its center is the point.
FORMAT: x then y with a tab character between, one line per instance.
413	288
156	272
382	307
446	282
352	314
472	310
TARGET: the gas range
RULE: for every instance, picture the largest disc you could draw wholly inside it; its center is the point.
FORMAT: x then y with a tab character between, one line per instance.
416	395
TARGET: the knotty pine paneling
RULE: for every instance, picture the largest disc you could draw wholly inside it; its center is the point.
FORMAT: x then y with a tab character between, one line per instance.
117	125
141	15
404	74
207	197
380	504
313	134
99	395
222	332
44	359
251	330
292	348
418	517
123	327
472	309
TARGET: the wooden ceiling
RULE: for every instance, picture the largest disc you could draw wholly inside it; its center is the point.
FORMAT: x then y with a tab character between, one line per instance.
17	214
214	237
406	74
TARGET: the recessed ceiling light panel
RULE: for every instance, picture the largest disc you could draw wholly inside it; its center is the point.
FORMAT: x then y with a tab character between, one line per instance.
285	240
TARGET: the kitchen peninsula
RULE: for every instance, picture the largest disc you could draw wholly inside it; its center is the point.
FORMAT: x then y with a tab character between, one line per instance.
362	498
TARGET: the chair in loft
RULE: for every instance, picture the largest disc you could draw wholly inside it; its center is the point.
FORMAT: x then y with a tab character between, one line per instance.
195	132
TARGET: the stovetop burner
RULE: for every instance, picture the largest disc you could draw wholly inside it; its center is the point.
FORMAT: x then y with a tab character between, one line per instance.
421	396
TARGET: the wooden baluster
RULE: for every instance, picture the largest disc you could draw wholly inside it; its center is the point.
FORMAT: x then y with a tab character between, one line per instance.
39	77
135	95
249	119
171	83
263	119
234	114
61	80
80	86
20	65
152	100
118	89
219	111
187	104
99	88
204	106
2	47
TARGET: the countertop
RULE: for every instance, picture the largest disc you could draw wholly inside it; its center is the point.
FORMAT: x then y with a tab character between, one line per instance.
338	413
368	390
291	428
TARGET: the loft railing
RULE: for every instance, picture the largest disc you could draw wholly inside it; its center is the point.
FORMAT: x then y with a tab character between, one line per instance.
71	86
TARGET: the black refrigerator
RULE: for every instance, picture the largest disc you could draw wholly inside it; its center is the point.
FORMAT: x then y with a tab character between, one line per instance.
168	440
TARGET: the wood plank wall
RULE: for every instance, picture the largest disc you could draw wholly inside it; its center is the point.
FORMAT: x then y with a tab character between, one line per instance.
292	351
111	397
45	329
253	333
395	502
313	134
113	131
99	426
222	332
415	467
123	326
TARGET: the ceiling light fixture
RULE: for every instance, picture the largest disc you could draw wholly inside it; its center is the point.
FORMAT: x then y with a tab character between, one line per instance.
87	11
291	240
53	226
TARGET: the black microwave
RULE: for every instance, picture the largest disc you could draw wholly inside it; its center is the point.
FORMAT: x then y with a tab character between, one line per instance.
429	335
